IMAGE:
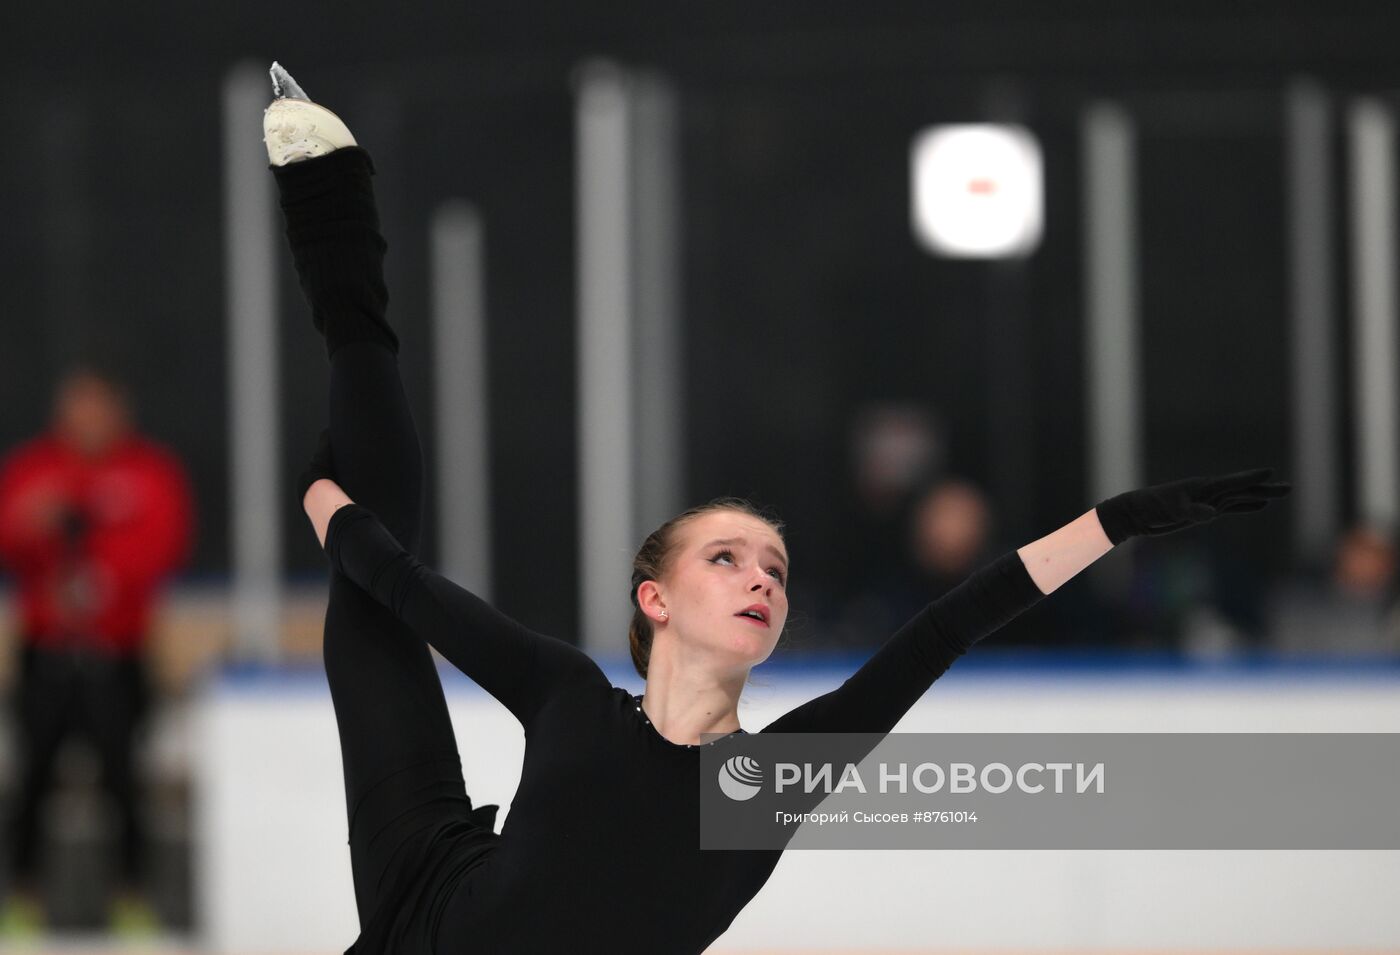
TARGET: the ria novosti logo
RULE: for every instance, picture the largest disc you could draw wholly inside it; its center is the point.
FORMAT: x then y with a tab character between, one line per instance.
740	778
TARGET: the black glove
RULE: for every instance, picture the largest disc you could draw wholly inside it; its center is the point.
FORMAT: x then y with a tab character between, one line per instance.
1164	508
320	466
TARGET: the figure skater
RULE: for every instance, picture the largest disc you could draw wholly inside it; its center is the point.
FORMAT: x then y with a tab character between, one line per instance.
601	849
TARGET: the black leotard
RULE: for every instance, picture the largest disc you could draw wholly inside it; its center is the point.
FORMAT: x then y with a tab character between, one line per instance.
601	848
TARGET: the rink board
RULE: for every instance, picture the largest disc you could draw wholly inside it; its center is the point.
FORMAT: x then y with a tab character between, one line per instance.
271	828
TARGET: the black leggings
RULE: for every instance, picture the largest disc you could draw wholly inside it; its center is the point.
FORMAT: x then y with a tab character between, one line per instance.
402	769
81	689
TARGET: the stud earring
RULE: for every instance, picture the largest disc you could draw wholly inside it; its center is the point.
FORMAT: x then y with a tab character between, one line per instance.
665	614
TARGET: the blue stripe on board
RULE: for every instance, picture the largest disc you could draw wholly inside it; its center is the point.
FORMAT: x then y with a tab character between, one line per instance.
1108	666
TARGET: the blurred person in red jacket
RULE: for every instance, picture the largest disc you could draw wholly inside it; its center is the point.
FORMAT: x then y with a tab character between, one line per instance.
93	516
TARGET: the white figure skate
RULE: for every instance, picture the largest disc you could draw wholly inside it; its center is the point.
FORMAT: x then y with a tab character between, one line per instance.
295	128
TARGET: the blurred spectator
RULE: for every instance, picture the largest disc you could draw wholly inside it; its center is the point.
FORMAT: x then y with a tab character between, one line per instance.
946	536
896	447
92	517
949	533
1353	610
1365	565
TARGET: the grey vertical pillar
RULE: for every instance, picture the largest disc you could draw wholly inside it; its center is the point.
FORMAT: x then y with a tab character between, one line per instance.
461	397
254	426
605	368
1372	135
1112	361
1310	201
629	416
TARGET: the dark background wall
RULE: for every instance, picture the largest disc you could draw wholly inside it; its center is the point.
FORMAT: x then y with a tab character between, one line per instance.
805	298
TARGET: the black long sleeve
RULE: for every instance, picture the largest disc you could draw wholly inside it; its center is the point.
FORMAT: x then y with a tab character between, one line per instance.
517	666
877	695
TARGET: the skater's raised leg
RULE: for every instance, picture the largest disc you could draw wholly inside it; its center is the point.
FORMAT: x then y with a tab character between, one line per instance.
399	752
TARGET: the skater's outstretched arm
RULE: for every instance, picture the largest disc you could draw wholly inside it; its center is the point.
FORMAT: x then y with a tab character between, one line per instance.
514	664
875	698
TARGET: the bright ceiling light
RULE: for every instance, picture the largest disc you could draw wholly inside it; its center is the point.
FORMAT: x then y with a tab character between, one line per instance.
977	190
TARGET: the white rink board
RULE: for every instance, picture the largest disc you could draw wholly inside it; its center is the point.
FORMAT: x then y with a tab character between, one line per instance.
271	827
